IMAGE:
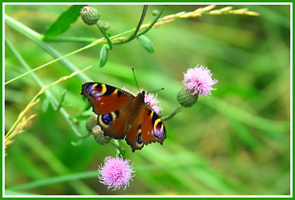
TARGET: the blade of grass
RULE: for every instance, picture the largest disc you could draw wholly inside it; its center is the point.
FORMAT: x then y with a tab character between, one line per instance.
54	163
270	126
54	180
53	100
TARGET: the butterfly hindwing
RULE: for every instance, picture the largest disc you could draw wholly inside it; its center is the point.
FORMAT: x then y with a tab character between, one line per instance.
149	129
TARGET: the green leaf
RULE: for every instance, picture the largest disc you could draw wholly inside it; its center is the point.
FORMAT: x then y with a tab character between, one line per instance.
103	55
64	21
146	43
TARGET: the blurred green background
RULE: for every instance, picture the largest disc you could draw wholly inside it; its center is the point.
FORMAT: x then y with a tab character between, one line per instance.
237	142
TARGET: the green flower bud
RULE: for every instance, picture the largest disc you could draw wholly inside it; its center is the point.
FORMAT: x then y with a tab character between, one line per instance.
155	12
185	97
98	134
91	122
106	26
89	15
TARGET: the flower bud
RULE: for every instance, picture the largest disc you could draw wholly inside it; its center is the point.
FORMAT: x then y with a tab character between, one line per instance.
89	15
106	26
98	134
186	98
155	12
91	122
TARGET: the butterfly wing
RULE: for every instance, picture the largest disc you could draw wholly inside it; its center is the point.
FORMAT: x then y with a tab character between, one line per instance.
148	129
111	105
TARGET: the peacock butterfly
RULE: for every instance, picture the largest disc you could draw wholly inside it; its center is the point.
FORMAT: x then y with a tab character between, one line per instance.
123	115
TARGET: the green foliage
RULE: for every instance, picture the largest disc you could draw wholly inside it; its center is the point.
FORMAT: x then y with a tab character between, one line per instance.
64	21
146	43
103	55
237	142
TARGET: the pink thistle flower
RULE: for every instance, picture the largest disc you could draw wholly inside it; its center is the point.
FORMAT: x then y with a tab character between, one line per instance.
115	173
152	100
200	80
148	99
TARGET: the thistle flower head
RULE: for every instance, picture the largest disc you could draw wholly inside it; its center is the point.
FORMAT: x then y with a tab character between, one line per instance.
199	80
152	101
115	173
89	15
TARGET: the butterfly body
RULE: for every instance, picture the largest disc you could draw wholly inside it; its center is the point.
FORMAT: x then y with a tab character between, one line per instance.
123	115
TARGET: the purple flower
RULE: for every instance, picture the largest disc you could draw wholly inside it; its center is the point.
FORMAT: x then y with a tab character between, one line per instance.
148	99
152	101
199	80
115	173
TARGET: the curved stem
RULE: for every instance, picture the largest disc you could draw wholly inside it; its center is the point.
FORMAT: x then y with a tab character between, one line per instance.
84	136
177	110
105	35
152	23
138	26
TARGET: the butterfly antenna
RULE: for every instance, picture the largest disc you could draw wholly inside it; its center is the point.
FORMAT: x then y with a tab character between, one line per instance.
158	90
135	78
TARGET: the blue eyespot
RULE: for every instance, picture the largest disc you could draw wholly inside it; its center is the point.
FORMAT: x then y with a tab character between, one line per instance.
139	138
107	119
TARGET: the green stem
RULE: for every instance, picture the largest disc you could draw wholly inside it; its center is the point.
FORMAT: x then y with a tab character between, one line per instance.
152	23
177	110
105	35
53	101
138	26
116	143
35	37
61	100
85	136
70	39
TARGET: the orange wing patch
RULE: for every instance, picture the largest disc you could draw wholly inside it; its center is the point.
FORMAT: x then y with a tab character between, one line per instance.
104	98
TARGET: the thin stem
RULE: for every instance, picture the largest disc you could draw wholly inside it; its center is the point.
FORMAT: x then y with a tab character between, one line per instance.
138	26
37	39
105	35
69	39
53	101
61	100
118	147
177	110
55	54
152	23
85	136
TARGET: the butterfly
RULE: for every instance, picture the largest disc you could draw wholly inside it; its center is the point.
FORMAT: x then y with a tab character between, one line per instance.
124	115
